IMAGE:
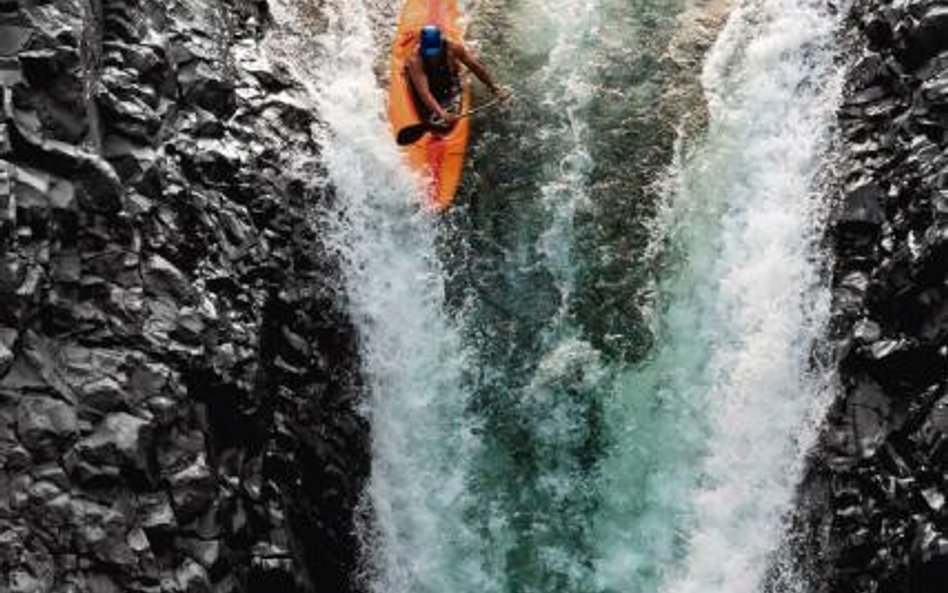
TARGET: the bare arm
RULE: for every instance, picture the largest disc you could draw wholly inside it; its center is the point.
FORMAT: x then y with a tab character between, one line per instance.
420	82
476	66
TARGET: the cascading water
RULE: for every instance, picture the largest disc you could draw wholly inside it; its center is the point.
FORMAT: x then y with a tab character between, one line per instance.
710	428
417	538
522	441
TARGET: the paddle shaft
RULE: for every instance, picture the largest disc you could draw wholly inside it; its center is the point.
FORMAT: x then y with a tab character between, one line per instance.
412	134
437	122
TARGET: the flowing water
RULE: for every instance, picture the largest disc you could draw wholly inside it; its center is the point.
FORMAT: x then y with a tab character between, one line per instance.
595	374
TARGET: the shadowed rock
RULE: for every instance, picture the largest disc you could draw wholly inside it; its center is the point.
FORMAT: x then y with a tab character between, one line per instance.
178	374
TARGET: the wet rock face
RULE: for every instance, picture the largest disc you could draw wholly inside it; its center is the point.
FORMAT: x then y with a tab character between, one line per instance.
177	371
874	507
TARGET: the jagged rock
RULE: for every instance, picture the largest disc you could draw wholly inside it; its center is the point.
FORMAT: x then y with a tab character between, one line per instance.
885	446
192	578
104	395
927	37
151	201
13	39
192	489
130	116
46	425
155	513
205	552
867	331
120	440
162	278
102	532
6	359
5	147
870	410
878	32
870	71
103	190
861	210
935	91
202	85
39	190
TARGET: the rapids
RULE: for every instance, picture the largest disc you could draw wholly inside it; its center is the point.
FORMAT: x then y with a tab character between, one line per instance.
597	372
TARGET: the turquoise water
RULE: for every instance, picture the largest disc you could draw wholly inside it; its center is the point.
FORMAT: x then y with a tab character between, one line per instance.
594	374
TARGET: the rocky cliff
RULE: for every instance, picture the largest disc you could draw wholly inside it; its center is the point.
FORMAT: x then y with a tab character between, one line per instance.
876	518
177	370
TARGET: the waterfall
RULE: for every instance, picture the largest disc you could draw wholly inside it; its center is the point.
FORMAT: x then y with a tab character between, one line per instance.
711	429
511	451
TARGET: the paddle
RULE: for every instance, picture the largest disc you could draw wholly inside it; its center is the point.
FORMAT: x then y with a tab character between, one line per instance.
413	134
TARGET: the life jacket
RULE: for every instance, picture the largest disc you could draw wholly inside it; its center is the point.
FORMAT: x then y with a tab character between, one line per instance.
443	81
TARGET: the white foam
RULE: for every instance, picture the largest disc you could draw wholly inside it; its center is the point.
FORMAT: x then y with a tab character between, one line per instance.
416	536
773	92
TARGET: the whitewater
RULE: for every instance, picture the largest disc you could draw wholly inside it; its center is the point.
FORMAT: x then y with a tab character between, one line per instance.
563	398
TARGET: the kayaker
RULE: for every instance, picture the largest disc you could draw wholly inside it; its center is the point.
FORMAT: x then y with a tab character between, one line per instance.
435	75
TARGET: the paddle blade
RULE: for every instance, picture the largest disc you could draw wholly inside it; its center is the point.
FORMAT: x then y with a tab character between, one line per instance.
411	134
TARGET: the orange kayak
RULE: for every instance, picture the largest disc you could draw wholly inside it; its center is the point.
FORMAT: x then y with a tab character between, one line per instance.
438	157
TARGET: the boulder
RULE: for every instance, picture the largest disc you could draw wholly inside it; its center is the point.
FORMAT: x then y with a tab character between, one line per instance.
104	395
6	359
870	411
162	278
13	39
191	577
155	512
935	91
102	532
46	426
102	187
202	85
193	489
121	440
926	37
5	147
861	209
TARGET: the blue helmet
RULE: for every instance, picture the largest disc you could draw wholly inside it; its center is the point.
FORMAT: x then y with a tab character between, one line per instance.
432	42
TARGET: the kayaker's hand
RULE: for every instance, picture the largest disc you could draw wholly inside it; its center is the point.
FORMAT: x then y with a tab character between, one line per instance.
503	94
446	119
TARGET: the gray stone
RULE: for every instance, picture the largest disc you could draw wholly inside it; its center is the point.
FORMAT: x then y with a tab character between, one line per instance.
862	205
155	512
102	531
46	425
103	188
933	498
936	90
7	196
927	37
13	39
205	552
120	440
162	278
5	147
104	394
192	489
870	409
191	577
203	86
6	359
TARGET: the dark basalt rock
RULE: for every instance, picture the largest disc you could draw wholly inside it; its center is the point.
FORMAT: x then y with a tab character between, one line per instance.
922	35
178	374
45	426
872	508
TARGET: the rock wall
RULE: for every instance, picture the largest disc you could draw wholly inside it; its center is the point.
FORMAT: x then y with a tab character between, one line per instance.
177	371
875	517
